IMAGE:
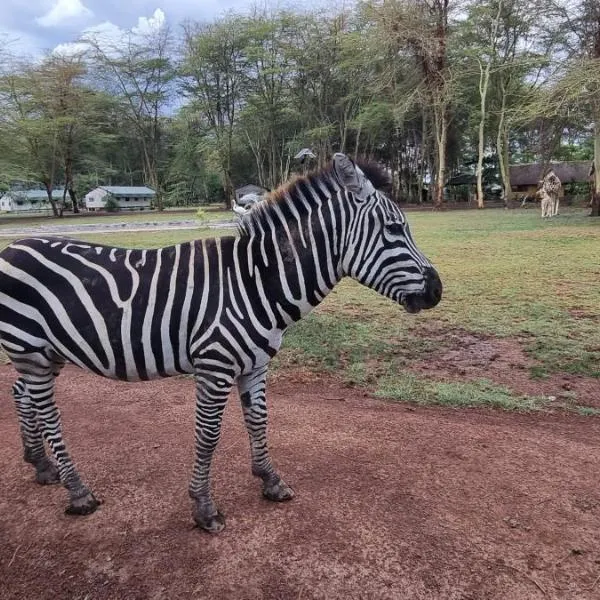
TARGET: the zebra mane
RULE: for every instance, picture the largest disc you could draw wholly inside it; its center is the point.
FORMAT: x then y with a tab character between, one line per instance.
258	215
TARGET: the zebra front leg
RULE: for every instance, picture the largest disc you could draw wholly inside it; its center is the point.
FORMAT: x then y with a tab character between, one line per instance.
212	391
40	389
33	442
254	405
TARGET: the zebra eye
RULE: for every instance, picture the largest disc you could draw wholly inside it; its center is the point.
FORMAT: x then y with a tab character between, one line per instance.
395	228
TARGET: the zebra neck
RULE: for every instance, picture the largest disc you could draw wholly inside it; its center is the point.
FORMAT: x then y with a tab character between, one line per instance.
297	258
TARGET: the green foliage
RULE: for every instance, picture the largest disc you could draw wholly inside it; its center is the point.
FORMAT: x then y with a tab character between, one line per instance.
111	204
243	94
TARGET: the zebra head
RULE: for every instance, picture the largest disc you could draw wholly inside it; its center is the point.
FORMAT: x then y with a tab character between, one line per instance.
379	249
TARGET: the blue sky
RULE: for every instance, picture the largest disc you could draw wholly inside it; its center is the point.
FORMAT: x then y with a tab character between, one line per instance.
33	26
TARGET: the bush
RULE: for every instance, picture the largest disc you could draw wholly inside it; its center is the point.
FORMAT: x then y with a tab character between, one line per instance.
201	214
111	204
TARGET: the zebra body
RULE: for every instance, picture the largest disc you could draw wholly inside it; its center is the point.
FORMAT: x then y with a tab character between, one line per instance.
216	308
137	314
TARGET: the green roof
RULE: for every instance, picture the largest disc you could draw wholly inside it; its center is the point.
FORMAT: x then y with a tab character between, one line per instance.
33	194
126	190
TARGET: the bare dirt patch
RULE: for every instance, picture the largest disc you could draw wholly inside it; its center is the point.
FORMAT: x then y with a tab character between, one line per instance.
392	502
466	356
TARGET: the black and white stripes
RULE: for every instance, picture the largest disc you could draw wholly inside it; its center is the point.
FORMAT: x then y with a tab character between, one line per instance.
216	308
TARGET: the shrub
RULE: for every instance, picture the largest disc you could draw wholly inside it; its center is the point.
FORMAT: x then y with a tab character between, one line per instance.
111	204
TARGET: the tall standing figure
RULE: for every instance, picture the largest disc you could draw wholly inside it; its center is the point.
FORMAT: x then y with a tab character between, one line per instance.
551	185
216	308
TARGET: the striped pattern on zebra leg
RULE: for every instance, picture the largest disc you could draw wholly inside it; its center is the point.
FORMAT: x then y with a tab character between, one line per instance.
34	451
40	388
213	386
254	406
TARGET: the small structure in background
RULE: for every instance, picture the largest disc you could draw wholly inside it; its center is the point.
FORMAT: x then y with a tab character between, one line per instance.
249	193
525	178
15	201
306	157
461	188
122	197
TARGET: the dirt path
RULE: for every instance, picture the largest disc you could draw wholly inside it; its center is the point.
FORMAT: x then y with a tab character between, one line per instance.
392	502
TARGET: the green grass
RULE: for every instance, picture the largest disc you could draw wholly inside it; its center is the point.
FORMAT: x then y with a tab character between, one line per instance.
11	221
476	393
505	274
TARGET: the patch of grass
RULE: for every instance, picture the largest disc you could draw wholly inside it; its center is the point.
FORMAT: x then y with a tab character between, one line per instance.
505	274
361	350
587	411
10	221
477	393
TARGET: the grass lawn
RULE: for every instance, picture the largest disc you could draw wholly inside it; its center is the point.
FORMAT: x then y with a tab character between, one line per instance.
507	275
10	221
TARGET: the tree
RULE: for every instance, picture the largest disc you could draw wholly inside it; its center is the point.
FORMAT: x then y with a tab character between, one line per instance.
138	70
211	75
34	137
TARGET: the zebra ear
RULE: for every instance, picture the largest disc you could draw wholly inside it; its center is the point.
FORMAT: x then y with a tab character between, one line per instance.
346	173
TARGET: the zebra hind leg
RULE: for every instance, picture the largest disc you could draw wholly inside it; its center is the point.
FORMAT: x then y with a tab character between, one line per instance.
252	395
40	389
34	451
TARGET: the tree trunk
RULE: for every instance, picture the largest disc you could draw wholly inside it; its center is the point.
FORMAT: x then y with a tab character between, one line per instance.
441	135
596	193
69	176
502	152
48	187
484	79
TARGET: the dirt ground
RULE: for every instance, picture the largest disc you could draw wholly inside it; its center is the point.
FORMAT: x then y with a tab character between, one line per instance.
392	501
504	361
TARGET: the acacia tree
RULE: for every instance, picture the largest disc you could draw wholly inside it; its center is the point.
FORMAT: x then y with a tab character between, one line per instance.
267	118
35	137
139	72
421	28
211	77
481	40
575	87
65	101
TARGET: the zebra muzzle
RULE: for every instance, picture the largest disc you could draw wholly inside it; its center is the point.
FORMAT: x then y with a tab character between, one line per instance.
429	297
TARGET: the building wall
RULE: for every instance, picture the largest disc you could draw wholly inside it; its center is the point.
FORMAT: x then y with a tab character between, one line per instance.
96	199
9	204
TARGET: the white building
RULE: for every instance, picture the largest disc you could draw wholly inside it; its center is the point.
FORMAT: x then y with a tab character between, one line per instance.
127	197
28	200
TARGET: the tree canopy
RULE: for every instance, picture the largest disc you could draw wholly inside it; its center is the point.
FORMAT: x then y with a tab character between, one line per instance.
430	88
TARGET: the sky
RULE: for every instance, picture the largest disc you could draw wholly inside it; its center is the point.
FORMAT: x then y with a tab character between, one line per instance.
32	27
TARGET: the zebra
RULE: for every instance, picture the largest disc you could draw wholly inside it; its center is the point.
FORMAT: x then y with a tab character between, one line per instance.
215	308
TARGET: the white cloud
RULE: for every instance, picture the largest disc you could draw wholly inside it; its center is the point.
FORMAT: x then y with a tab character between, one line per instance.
154	23
108	35
65	11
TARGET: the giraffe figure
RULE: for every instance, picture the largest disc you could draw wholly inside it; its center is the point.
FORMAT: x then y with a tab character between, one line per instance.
545	200
551	187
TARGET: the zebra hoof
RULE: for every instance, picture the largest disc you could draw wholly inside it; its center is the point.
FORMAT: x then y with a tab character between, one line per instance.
49	476
278	492
212	524
85	505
